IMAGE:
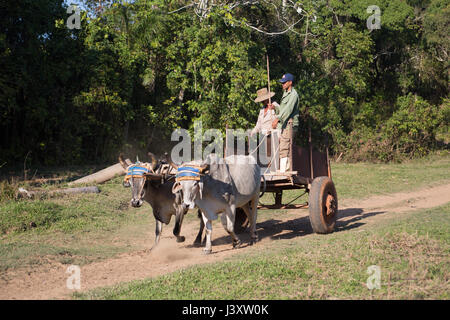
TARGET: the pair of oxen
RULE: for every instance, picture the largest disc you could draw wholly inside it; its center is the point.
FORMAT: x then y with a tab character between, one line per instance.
216	186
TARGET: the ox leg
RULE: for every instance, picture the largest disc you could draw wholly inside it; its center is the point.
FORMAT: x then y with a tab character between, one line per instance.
158	230
178	223
248	209
227	219
198	239
252	220
207	249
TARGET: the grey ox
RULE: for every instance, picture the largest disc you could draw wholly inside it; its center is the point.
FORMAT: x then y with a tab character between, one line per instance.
227	184
157	191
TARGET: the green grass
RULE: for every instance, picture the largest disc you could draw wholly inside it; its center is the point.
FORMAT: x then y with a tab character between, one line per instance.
73	228
412	251
76	229
363	180
22	216
68	214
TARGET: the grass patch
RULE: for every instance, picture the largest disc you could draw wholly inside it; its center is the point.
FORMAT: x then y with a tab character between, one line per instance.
23	215
412	251
362	180
8	190
72	228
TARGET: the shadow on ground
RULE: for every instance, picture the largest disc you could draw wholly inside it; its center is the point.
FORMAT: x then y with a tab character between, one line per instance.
274	229
355	215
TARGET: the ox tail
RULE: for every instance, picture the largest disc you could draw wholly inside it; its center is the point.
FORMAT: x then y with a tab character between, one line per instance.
264	187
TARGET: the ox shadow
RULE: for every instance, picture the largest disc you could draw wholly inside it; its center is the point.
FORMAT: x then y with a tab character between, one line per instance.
274	229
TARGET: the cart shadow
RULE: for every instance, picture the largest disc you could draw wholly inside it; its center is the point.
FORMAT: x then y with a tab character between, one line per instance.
274	229
356	215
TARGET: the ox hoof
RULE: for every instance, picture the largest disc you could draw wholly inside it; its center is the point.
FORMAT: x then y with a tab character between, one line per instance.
207	251
237	244
181	239
254	240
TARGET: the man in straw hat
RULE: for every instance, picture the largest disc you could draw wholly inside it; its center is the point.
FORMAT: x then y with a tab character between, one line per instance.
287	120
267	113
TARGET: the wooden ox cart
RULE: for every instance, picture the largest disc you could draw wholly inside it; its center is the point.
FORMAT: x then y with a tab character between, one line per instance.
311	173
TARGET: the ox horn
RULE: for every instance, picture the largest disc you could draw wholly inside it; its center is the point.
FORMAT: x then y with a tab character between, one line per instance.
153	159
122	162
169	160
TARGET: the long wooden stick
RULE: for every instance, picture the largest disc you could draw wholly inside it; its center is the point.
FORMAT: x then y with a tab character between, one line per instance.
268	78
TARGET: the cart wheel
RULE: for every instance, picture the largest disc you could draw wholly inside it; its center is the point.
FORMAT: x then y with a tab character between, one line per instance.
323	205
240	221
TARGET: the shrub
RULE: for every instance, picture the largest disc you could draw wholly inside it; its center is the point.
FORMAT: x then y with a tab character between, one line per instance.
411	131
412	128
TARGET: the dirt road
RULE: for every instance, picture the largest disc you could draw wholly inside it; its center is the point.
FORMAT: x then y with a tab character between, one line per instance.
49	281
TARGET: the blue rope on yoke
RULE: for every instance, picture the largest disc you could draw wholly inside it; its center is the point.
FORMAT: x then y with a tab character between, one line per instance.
188	173
137	171
189	169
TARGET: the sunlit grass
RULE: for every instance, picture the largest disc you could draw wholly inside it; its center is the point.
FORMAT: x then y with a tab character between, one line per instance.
412	253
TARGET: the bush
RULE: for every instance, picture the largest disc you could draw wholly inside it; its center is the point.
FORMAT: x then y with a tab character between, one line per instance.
411	131
412	128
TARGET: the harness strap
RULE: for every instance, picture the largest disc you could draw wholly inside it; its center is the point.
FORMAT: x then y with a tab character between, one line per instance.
192	178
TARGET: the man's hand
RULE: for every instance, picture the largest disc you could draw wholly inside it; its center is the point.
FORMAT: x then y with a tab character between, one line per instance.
271	106
274	123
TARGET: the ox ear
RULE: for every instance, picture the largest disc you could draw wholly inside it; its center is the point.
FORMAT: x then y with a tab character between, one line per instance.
176	187
126	183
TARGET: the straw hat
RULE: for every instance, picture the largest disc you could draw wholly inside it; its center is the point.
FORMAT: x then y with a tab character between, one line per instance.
263	94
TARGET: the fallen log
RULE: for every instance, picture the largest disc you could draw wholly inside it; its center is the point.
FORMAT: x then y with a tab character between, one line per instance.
103	175
32	194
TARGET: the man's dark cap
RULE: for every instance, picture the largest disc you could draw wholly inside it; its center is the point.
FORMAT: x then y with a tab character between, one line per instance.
287	77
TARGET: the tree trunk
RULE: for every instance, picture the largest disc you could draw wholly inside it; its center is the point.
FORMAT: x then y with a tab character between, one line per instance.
32	194
103	175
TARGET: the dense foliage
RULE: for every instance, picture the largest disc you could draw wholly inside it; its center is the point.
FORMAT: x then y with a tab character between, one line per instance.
136	70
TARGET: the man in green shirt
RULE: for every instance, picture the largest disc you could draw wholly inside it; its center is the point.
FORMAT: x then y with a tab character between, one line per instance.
287	120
